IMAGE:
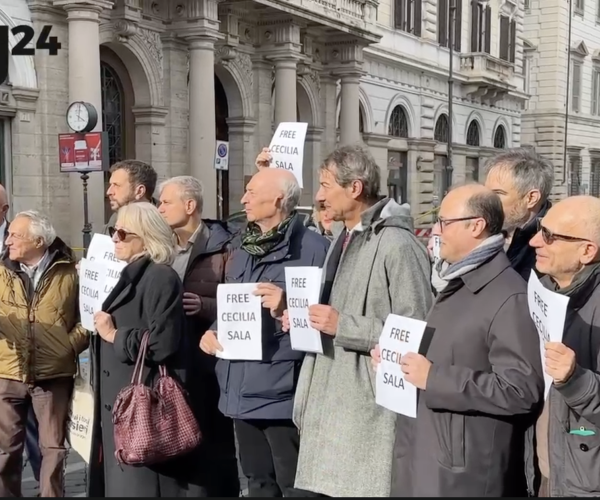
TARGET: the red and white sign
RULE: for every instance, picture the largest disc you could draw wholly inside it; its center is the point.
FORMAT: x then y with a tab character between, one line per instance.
83	152
424	232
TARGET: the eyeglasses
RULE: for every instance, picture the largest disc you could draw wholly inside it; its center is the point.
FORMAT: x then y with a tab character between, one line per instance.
549	237
446	222
121	233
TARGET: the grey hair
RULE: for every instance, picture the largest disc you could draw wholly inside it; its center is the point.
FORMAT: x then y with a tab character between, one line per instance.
190	189
291	194
39	226
355	163
528	170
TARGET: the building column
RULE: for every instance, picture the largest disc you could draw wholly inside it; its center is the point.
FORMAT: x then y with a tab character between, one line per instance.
150	138
350	109
285	90
263	110
312	161
84	85
242	154
202	128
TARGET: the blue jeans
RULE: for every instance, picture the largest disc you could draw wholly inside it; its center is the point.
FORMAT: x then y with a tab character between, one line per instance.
32	443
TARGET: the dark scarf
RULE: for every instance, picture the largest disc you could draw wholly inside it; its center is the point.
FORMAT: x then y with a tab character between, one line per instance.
580	289
259	244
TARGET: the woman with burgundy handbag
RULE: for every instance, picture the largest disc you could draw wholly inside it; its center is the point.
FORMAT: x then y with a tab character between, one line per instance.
143	426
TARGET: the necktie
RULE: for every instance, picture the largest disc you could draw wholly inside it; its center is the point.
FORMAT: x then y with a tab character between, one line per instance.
346	241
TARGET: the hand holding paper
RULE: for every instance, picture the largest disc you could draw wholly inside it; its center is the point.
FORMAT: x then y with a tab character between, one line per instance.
416	369
285	321
209	343
560	362
323	318
376	357
264	159
272	298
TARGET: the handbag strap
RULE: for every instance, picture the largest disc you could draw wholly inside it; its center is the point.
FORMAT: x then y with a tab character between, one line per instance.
136	378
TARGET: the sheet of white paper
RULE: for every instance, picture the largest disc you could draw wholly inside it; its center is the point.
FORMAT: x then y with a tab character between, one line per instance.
287	147
102	248
92	278
239	322
400	335
303	287
548	311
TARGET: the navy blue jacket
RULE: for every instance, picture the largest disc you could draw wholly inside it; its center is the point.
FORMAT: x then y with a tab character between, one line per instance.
265	389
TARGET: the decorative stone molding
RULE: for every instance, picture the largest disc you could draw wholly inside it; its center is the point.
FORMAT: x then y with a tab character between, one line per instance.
314	134
84	5
240	61
151	115
377	140
152	40
124	30
241	125
25	98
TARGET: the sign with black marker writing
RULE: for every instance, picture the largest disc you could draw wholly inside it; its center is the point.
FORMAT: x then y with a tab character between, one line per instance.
287	148
102	248
239	322
92	277
400	335
548	311
303	287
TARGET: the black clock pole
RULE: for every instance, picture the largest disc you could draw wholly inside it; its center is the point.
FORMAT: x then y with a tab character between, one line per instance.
87	227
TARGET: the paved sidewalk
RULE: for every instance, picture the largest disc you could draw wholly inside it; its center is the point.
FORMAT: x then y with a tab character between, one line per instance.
75	478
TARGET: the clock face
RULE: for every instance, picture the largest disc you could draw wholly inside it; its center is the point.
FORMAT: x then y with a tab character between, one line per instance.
78	116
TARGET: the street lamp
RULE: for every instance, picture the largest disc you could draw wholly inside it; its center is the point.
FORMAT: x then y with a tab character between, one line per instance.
447	177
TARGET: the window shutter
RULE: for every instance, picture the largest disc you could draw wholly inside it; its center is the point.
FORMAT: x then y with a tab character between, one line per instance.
457	25
399	14
513	41
576	92
474	26
488	29
408	22
443	22
595	76
504	37
418	17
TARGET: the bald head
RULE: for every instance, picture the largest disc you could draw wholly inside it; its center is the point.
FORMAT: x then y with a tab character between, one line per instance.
475	200
271	190
576	216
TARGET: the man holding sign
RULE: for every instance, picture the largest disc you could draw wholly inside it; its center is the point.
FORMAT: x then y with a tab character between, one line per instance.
481	379
567	248
258	376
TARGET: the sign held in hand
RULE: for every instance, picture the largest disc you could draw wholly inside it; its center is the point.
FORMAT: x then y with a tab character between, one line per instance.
548	311
303	287
92	283
239	322
287	148
400	335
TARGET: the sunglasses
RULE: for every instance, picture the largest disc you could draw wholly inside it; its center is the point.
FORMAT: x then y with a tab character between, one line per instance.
549	237
121	233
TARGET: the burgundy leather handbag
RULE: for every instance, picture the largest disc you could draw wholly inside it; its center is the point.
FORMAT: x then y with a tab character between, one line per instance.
152	424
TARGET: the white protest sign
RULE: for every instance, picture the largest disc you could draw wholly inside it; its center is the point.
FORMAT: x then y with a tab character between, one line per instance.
437	244
239	322
287	147
92	278
303	287
102	248
548	311
400	335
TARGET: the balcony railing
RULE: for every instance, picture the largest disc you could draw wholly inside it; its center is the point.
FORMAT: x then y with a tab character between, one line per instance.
484	66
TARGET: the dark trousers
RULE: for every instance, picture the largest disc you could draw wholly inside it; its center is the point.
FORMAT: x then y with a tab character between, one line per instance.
32	444
50	402
268	452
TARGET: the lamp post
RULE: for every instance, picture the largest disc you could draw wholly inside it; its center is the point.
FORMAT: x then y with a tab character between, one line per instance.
447	178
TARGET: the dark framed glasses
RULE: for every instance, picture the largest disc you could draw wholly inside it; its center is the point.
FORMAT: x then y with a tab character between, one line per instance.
121	233
549	237
446	222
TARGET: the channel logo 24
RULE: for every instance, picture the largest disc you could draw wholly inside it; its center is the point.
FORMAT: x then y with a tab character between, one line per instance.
44	42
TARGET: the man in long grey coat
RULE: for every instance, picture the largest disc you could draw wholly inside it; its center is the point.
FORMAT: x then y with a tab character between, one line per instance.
480	382
375	267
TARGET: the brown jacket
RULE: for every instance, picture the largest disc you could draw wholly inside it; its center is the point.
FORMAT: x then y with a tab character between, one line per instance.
40	333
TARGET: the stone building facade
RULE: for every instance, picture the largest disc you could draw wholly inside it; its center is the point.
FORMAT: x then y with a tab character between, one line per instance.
171	76
563	58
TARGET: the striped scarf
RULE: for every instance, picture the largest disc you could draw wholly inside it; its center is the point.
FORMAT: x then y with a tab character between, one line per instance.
478	256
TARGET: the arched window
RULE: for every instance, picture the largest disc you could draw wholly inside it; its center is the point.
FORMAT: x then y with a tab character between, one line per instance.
500	138
398	126
113	113
473	134
361	120
440	133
